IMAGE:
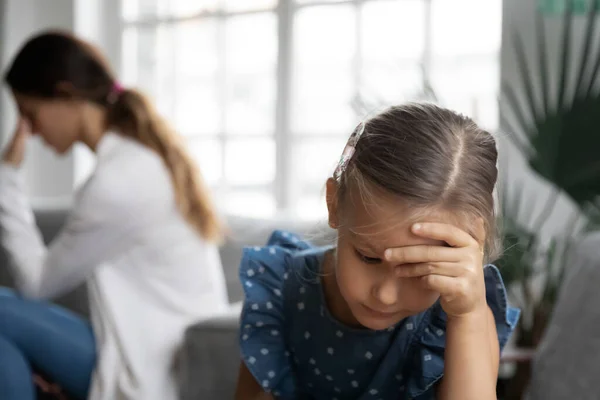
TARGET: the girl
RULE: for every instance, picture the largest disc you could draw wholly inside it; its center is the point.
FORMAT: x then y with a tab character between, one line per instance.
401	307
141	234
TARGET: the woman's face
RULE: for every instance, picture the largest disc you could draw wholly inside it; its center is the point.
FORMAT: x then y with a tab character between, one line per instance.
56	121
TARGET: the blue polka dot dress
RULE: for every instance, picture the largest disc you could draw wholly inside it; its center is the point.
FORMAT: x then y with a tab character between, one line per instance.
296	350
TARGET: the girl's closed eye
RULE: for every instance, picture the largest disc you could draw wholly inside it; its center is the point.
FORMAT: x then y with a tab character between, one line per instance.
366	259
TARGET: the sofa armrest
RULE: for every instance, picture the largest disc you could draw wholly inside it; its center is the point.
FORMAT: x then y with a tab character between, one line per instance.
210	358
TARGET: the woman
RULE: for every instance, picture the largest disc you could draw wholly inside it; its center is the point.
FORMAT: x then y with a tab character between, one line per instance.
141	234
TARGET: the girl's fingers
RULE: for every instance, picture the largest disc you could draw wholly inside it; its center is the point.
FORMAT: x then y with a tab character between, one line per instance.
422	254
423	269
450	234
447	286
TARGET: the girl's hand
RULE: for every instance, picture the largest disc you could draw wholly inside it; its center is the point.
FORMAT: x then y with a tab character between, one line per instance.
455	272
15	151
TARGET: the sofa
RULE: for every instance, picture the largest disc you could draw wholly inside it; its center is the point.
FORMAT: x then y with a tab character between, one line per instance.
209	359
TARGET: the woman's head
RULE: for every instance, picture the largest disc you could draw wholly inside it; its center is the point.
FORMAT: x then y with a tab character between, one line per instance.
66	90
61	86
412	163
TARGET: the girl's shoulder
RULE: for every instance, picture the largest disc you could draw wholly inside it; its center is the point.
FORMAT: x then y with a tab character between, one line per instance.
266	274
266	269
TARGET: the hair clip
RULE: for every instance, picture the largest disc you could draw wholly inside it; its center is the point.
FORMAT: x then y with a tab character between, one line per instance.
115	92
349	150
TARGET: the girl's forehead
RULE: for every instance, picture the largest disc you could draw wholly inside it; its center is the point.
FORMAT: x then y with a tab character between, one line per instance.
384	226
387	223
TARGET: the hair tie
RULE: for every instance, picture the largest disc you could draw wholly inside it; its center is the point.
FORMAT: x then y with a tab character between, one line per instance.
349	150
115	92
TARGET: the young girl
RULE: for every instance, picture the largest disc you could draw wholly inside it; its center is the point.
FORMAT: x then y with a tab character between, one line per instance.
402	307
141	234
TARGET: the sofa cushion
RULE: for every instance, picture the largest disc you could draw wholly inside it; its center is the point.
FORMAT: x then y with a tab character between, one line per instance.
567	359
210	358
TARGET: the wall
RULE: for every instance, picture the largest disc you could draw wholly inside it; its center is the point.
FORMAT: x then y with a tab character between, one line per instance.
519	16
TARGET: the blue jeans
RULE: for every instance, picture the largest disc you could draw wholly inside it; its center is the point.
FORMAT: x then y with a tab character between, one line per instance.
42	337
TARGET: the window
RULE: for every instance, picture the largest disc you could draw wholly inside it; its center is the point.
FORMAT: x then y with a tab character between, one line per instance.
267	91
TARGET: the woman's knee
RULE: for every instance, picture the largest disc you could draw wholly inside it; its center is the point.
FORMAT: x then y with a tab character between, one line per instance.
9	305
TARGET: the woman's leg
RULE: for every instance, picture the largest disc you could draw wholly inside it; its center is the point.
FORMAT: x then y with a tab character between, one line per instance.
53	340
15	374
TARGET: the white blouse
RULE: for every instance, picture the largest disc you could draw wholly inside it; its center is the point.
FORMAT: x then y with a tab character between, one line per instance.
149	274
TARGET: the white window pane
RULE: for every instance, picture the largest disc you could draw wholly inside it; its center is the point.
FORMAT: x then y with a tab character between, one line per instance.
129	9
385	84
471	87
208	156
165	98
140	9
325	35
322	101
249	5
165	76
323	155
393	30
130	60
250	104
251	43
165	52
183	8
195	45
197	110
466	27
139	59
485	111
250	161
468	75
310	207
317	1
259	204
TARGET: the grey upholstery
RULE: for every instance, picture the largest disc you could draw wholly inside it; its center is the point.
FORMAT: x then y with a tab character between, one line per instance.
568	359
210	358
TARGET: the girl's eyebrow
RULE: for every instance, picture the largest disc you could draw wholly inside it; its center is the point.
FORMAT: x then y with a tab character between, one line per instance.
365	243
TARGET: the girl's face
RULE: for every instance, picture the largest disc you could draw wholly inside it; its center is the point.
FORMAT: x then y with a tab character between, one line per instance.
367	291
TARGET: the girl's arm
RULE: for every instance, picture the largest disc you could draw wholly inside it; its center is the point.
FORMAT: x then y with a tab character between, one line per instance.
472	349
247	387
471	358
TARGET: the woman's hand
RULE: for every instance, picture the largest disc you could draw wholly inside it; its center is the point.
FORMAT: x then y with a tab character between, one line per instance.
15	151
455	272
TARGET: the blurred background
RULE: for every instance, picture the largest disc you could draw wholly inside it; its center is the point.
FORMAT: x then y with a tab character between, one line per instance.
266	93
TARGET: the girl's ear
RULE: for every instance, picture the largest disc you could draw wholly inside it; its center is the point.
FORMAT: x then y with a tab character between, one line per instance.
331	196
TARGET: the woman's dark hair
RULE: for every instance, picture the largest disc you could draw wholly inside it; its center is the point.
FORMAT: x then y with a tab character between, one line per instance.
430	157
51	60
